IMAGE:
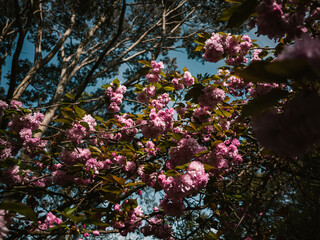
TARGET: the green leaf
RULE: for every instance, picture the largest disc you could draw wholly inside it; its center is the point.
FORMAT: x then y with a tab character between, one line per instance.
71	96
242	13
96	222
177	136
70	211
116	179
171	173
99	118
222	113
143	71
146	63
168	88
293	68
208	167
199	48
202	153
194	93
19	208
184	166
218	127
257	72
63	120
134	184
79	111
138	86
86	125
185	69
226	14
106	86
204	35
116	82
149	168
263	102
158	85
94	148
129	204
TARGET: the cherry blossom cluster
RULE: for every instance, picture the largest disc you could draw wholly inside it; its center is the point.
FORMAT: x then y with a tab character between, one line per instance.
146	94
184	152
180	83
49	222
183	185
262	88
223	155
211	96
274	20
78	131
24	125
156	68
233	48
158	123
161	101
129	131
3	223
114	96
130	221
157	228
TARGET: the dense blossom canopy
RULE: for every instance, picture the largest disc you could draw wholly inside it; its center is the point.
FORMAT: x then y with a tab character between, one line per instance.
214	151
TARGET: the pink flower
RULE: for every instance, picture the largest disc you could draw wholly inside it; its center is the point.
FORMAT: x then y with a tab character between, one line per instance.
117	207
96	233
187	79
3	224
211	96
176	84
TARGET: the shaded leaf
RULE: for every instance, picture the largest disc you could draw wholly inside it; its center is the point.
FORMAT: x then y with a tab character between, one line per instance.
71	96
242	13
226	14
19	208
257	72
265	101
168	88
146	63
79	111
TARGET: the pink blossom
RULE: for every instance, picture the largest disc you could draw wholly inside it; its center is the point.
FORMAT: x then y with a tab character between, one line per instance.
3	223
161	101
15	104
96	233
7	150
187	79
201	115
158	123
94	165
184	152
176	84
153	78
262	89
3	106
117	207
211	96
114	97
156	67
